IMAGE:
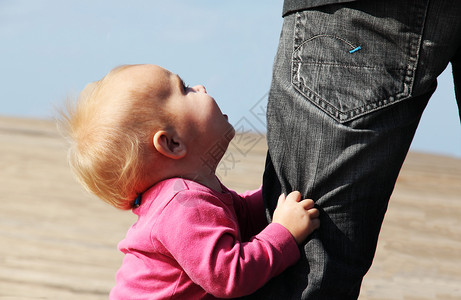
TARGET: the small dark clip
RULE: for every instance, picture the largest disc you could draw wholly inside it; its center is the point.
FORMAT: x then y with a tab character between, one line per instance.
137	202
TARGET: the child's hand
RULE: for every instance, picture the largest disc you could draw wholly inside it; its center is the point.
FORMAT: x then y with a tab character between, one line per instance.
298	216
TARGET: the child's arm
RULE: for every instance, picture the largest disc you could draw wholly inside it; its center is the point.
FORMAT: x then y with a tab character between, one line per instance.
250	213
205	241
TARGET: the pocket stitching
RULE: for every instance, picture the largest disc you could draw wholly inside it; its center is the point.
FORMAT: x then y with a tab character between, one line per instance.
341	116
325	35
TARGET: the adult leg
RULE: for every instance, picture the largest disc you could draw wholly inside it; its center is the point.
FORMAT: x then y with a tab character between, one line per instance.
456	67
349	86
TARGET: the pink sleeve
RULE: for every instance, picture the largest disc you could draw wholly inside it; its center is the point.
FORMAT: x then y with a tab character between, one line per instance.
204	239
254	200
251	213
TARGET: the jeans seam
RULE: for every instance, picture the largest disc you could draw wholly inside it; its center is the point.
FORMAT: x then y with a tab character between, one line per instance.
343	65
351	114
415	47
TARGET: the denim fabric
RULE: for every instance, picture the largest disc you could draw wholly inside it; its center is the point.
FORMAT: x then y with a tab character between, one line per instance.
350	82
290	6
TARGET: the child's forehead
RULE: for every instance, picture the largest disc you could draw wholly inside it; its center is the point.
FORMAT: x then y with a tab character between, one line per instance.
148	74
159	79
150	79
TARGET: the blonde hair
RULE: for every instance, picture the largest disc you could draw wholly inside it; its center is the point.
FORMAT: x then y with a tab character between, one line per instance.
108	141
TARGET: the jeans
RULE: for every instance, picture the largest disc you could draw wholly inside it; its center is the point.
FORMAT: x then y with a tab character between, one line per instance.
350	82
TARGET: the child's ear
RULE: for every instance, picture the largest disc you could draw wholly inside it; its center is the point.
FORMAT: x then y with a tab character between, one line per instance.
169	144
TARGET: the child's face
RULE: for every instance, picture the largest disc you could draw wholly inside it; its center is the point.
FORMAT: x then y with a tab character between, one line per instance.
195	114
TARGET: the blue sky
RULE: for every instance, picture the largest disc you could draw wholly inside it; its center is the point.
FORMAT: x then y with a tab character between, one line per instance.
52	48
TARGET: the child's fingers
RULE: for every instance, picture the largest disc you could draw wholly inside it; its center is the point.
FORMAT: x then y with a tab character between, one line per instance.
294	196
307	203
309	206
314	213
281	199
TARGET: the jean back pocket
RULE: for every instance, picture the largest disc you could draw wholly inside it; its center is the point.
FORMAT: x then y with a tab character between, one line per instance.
352	65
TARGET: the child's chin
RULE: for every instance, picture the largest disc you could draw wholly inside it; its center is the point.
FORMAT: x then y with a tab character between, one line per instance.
230	133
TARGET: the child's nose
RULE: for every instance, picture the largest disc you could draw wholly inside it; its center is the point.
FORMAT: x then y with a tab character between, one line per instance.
199	88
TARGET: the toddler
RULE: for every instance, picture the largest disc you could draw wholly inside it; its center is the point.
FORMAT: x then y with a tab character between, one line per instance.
140	139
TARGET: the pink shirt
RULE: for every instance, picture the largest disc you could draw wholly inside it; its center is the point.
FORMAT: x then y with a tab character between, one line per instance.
191	242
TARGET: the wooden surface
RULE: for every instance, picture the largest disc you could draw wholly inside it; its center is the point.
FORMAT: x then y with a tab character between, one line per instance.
58	242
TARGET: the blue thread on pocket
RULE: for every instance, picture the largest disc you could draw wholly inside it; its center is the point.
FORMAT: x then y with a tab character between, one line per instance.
355	50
